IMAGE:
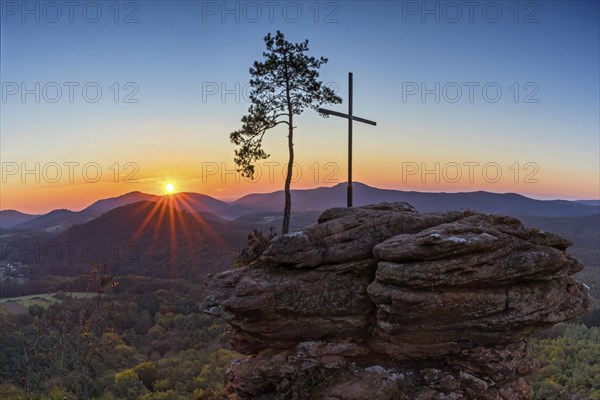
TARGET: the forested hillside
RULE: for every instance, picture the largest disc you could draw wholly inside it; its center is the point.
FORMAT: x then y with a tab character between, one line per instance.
133	339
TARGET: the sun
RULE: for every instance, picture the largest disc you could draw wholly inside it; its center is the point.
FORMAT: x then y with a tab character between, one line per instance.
169	187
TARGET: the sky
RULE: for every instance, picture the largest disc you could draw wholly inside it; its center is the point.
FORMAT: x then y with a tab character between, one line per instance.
104	98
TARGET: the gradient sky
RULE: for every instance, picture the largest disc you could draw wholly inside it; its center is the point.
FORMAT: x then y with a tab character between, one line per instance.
542	133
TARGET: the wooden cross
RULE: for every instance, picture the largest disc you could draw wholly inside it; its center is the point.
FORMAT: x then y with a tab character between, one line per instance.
350	117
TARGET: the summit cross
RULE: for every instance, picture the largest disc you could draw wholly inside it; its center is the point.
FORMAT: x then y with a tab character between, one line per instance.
350	117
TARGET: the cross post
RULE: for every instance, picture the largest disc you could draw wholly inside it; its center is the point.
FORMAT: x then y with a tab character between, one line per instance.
350	117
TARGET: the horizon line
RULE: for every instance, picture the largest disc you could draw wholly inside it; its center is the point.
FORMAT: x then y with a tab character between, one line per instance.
229	202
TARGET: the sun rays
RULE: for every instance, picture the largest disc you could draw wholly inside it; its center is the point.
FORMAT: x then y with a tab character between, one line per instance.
179	213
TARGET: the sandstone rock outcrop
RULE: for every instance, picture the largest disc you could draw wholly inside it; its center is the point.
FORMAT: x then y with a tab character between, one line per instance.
397	304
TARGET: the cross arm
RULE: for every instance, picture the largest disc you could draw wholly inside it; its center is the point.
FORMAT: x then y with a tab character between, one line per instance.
342	115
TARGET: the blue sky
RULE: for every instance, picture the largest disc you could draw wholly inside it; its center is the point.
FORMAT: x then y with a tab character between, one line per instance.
546	52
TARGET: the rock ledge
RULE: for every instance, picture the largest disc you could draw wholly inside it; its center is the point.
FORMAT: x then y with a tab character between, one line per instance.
397	304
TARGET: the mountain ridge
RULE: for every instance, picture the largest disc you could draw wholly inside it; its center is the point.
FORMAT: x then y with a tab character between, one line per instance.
10	217
313	200
322	198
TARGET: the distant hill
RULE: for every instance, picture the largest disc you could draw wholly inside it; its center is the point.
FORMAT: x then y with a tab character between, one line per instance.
595	203
57	220
154	239
192	202
263	220
318	199
10	218
196	202
104	205
326	197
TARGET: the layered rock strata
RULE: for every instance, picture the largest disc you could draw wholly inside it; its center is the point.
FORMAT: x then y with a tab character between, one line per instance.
393	303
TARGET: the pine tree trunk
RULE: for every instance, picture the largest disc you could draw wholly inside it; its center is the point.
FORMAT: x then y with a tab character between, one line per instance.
287	209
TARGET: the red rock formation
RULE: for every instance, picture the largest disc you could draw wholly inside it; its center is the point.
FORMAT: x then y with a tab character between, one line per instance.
398	304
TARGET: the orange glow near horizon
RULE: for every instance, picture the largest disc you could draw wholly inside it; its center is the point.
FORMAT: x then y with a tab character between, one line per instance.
223	184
